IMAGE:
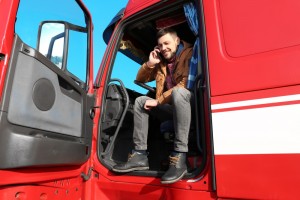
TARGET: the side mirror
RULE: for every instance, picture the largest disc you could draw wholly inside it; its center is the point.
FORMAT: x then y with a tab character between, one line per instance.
51	41
66	45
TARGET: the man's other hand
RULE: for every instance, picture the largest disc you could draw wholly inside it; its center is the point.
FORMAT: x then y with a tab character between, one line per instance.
150	103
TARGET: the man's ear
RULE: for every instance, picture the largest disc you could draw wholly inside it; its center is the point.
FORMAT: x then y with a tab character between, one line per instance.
177	40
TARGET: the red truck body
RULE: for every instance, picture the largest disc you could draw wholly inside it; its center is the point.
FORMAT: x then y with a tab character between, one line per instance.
61	132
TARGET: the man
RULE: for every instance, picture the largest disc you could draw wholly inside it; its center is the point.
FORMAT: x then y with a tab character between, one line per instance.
168	64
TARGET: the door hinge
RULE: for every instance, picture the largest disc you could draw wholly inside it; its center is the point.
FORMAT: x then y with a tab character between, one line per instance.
88	175
92	111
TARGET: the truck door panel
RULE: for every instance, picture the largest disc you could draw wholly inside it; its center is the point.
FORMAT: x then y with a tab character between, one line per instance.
43	114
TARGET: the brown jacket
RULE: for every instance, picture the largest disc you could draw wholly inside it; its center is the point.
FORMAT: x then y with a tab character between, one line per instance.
159	72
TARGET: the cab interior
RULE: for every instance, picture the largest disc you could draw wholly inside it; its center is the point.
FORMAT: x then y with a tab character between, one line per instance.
136	41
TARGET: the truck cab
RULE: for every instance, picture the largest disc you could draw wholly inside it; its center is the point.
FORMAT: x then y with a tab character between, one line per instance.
62	131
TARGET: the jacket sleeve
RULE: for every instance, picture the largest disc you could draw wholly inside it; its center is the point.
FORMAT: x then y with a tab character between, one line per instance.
146	74
166	96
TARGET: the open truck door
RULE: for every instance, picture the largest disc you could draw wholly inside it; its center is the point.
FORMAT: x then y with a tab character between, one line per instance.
46	99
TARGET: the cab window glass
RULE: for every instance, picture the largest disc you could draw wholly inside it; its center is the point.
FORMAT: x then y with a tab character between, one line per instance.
126	69
32	13
77	53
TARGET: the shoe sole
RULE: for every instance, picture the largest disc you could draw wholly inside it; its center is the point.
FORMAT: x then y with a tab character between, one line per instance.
130	170
174	180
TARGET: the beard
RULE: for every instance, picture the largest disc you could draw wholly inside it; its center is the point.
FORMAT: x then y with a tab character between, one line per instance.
170	56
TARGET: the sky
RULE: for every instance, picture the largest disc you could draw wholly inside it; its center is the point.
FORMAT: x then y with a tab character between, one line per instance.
102	13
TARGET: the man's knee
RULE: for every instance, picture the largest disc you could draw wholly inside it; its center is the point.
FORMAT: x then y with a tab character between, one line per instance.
180	94
140	101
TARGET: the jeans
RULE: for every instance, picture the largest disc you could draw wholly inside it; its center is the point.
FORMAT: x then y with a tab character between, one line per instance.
179	111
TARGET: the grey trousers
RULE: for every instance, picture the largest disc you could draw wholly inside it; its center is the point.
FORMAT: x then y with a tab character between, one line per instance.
179	111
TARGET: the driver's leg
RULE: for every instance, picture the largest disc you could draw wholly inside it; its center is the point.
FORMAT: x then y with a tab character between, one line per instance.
141	124
141	120
181	99
138	160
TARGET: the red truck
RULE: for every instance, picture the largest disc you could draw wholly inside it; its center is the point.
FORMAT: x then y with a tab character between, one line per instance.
62	131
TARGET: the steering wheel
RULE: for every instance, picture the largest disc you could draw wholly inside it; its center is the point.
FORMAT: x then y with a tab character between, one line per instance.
145	86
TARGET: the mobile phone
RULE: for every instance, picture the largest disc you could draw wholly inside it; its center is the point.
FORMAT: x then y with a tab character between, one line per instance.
159	55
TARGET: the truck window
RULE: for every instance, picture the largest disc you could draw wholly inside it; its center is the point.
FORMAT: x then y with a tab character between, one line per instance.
126	70
29	19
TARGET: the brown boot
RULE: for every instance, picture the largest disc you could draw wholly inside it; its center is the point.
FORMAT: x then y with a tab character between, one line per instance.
136	161
177	168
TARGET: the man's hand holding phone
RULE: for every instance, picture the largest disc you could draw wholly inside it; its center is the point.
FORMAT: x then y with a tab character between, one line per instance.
154	57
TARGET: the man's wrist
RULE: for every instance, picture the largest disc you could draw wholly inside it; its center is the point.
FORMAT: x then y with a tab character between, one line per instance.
148	65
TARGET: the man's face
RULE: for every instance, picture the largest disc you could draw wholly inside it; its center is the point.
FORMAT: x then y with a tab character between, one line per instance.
167	45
